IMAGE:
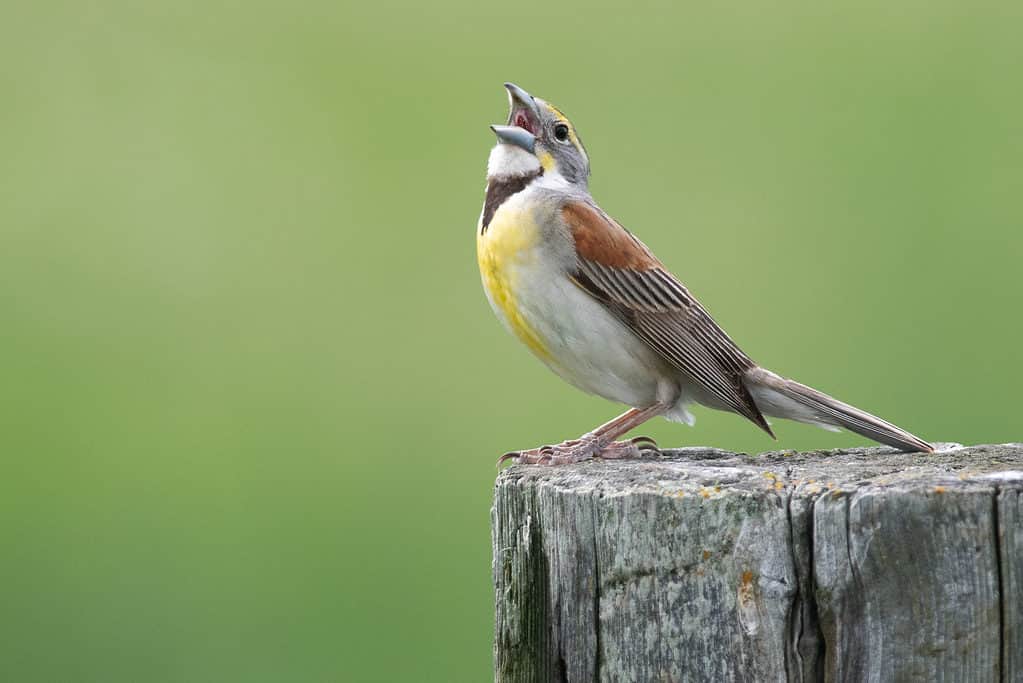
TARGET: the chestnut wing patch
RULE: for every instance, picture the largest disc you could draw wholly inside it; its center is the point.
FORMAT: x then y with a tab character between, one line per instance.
600	238
620	272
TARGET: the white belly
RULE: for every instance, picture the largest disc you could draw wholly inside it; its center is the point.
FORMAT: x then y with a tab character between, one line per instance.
586	345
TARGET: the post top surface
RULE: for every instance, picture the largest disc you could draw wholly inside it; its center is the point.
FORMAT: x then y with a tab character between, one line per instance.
710	472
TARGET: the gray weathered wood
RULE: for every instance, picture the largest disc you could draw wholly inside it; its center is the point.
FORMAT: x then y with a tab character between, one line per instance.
699	564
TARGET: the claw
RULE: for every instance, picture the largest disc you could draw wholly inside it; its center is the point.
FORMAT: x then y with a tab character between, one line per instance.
578	450
507	456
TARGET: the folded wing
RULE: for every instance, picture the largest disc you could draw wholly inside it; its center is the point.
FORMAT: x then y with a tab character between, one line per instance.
620	272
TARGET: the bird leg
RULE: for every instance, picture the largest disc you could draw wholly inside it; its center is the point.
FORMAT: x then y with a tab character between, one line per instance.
598	443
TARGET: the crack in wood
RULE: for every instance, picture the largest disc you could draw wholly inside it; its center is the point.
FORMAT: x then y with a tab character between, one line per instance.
996	529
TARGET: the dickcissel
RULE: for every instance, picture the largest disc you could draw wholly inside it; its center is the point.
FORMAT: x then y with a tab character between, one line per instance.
597	307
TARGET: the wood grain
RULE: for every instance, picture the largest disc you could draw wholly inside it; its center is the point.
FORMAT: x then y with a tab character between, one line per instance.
855	565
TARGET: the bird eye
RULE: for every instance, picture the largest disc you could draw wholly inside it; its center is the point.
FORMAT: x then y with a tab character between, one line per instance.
561	132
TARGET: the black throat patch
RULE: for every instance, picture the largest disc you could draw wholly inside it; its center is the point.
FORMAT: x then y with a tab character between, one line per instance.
498	191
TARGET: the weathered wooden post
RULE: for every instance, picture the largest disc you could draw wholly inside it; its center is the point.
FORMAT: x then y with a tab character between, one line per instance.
705	565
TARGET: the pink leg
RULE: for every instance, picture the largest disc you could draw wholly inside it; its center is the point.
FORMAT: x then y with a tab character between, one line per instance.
600	442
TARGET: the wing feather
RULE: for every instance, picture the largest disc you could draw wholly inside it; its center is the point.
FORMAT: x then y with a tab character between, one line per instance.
620	272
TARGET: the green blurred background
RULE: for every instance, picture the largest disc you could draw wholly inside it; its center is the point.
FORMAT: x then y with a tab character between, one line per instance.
252	393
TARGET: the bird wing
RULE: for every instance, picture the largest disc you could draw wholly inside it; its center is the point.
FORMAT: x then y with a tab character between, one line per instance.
620	272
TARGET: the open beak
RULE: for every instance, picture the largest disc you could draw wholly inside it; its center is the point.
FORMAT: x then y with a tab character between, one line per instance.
523	120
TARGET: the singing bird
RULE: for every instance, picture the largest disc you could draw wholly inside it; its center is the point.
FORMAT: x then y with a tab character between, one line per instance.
597	307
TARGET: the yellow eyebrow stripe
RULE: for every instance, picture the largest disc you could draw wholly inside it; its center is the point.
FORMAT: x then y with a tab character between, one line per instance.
558	113
571	129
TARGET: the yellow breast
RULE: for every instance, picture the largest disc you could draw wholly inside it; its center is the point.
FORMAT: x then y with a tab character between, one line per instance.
504	251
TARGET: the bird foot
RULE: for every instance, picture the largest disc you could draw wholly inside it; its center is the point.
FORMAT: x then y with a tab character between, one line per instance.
578	450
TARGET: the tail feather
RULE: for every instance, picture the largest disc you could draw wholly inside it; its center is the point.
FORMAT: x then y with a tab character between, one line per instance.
780	397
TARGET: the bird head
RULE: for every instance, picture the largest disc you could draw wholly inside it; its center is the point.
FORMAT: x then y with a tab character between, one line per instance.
538	138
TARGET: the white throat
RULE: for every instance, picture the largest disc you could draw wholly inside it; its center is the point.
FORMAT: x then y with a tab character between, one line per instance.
508	160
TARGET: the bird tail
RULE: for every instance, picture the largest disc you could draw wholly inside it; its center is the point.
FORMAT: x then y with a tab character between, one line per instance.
780	397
